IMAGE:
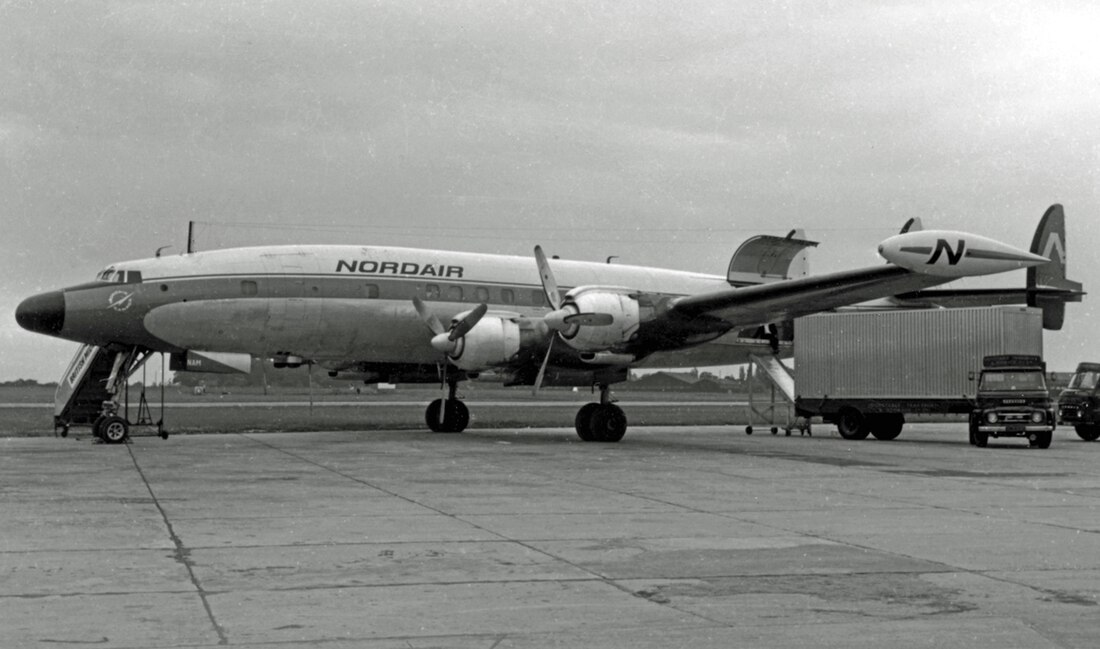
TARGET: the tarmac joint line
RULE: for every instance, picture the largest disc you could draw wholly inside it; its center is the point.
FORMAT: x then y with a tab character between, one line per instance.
181	553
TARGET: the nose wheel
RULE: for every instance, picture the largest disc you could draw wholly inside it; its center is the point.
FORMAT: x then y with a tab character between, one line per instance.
447	415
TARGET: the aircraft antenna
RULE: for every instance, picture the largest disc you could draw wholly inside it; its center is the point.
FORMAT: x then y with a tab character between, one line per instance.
190	237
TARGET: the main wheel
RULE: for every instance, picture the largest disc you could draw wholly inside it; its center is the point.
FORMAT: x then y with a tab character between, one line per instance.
886	427
583	421
114	429
851	424
1088	432
607	423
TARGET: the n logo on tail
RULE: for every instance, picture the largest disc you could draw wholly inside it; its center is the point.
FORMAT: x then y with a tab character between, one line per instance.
953	256
1054	243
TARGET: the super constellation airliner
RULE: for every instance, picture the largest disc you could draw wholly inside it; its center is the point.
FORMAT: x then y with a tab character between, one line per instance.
380	313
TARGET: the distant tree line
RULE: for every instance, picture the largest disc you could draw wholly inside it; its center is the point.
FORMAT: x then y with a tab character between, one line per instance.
27	383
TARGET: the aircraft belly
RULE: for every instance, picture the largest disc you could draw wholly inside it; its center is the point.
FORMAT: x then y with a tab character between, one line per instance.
318	328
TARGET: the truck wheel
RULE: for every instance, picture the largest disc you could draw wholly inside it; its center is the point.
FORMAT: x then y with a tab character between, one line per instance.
980	438
886	427
851	424
1042	440
1088	432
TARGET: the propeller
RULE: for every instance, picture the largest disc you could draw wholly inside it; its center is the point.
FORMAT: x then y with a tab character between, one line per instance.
564	316
447	341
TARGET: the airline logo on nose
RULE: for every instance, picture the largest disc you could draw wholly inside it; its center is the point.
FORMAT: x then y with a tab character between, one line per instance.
120	301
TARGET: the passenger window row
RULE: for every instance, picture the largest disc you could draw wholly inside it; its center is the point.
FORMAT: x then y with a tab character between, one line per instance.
451	293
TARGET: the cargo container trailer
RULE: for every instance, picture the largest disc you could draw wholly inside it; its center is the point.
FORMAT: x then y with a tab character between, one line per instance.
865	370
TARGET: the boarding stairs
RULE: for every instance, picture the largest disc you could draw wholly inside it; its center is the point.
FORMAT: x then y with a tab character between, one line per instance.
93	385
778	381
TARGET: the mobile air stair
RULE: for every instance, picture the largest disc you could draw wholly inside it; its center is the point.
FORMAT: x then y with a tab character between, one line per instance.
778	380
89	394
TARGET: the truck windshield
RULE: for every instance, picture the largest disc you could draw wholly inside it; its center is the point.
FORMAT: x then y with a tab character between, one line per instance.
1084	380
1012	381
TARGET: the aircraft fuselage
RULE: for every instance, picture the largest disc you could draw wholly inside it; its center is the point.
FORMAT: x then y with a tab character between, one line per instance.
323	302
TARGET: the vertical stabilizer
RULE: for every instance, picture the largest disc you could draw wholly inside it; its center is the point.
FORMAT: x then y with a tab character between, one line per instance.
1050	242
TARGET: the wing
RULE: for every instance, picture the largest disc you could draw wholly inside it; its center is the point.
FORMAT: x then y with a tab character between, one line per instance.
785	300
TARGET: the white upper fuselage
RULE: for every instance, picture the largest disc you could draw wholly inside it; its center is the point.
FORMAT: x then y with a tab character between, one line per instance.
333	303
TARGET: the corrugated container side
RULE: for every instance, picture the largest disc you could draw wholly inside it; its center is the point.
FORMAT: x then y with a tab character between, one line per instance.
927	353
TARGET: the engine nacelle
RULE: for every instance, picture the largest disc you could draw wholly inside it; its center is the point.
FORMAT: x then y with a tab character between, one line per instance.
492	341
620	304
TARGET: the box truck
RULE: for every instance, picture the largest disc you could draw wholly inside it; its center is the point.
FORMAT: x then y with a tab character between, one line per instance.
865	370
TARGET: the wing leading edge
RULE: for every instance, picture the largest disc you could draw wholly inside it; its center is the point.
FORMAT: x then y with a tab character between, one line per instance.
764	303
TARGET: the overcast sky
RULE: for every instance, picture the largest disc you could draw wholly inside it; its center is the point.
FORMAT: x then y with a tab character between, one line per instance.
664	133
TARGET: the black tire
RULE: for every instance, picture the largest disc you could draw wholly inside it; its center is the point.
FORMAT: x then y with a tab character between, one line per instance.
886	427
432	418
607	423
455	418
1042	440
981	439
851	425
583	421
1088	432
95	426
973	431
114	430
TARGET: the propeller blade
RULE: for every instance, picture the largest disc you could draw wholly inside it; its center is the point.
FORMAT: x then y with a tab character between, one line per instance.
428	317
590	319
542	368
446	393
463	326
549	285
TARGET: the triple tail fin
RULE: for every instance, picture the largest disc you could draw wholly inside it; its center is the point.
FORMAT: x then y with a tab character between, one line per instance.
1047	285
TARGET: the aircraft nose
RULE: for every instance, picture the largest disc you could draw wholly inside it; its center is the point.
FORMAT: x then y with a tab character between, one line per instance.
43	313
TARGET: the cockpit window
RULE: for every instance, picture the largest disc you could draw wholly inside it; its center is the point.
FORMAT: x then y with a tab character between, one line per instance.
120	276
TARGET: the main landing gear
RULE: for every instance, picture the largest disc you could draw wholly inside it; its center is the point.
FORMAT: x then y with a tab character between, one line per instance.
601	422
447	415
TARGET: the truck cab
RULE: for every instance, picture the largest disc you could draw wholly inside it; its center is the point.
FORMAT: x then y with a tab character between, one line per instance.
1012	401
1079	404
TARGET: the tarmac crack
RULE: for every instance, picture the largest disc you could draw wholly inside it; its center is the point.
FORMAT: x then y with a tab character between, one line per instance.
182	554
